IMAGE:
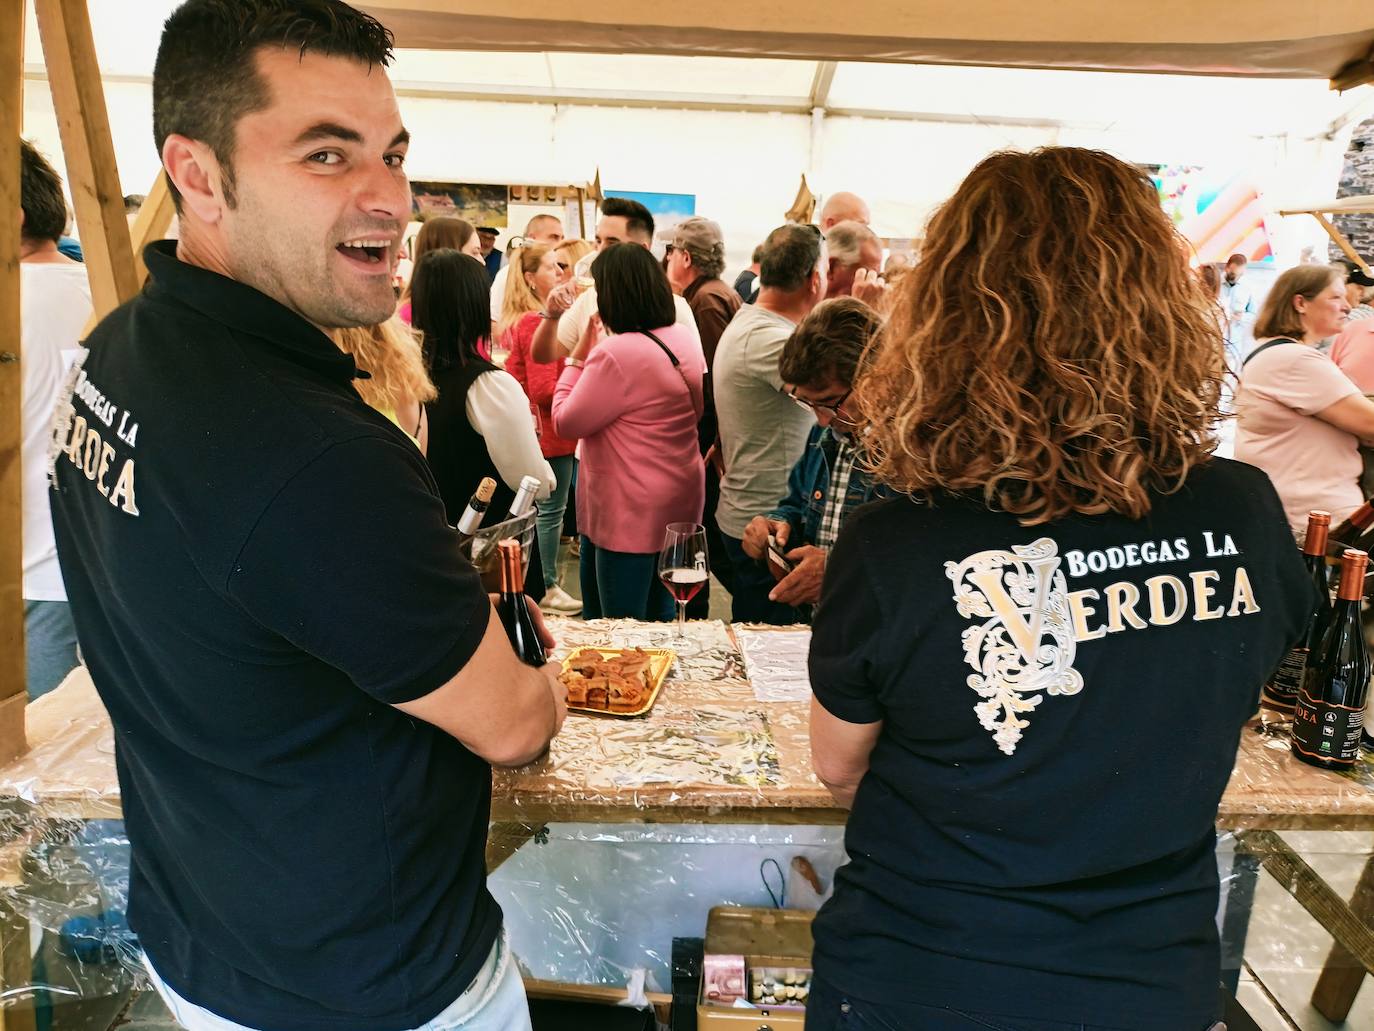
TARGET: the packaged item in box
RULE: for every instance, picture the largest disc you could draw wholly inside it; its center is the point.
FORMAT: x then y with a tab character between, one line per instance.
722	979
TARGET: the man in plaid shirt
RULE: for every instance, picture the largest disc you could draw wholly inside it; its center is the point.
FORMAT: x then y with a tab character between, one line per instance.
818	367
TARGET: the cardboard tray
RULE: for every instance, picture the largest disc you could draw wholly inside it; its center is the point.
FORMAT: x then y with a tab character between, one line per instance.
661	661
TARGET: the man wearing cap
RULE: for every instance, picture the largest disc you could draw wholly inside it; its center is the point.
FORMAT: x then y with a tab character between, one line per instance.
696	258
491	257
1359	291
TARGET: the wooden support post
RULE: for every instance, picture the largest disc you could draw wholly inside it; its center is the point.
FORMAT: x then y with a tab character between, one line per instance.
1343	974
1341	241
92	176
153	220
12	684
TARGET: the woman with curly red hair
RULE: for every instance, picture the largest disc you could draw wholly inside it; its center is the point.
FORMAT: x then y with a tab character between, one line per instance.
1032	668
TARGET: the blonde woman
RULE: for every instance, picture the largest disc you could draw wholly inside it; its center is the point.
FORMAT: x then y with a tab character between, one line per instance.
534	272
1031	671
397	384
570	252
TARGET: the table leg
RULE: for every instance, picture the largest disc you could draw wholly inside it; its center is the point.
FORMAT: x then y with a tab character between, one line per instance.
1343	974
1240	900
16	970
505	839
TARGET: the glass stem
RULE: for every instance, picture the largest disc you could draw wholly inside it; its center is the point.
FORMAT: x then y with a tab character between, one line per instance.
681	620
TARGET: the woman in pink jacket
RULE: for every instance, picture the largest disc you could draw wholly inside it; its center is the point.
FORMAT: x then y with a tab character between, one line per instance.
633	397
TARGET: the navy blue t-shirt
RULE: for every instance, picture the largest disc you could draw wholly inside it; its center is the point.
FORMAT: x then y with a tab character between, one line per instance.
1061	709
259	567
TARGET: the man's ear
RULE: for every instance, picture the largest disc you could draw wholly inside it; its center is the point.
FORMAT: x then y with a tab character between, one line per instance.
196	172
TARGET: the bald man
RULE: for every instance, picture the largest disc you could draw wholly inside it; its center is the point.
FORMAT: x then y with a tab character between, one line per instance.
844	207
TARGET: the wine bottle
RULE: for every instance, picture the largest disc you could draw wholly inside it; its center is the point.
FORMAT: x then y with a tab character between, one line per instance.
524	497
1355	525
1329	717
1281	691
471	518
514	609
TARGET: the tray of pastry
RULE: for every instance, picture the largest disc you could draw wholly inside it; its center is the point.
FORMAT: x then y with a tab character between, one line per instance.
615	681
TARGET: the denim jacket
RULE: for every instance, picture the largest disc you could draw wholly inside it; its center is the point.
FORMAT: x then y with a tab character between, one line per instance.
809	482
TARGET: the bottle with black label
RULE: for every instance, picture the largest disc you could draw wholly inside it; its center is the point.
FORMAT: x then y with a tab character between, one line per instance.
513	607
1329	717
1282	689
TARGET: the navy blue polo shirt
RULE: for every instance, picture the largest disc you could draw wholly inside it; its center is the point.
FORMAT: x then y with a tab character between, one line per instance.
259	568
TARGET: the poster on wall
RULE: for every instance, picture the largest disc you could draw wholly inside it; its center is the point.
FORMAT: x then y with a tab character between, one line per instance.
1220	213
668	210
482	204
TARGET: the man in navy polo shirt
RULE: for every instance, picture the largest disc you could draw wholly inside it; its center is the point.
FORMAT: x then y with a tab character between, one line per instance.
306	685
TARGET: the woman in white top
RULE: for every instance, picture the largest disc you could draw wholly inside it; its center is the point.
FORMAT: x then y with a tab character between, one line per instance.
480	425
1299	417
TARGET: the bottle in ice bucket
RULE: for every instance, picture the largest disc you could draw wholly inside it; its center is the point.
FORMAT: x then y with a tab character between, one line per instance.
1282	688
513	608
1329	716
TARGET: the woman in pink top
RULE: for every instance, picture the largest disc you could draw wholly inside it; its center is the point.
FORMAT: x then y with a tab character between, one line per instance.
1299	417
633	398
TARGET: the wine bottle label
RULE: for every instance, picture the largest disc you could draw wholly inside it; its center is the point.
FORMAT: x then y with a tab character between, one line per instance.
1328	732
1287	679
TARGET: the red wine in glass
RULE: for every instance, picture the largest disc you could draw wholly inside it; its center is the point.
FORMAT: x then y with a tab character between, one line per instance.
683	584
682	566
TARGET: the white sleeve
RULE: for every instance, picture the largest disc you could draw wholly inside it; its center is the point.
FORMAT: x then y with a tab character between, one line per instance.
498	292
575	319
498	409
686	319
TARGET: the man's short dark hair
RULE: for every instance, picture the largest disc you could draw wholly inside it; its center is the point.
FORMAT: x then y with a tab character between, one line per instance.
40	196
757	256
632	292
790	254
1238	259
206	79
638	221
828	343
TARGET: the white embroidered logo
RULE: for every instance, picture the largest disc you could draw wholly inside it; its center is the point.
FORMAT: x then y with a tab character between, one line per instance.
1023	597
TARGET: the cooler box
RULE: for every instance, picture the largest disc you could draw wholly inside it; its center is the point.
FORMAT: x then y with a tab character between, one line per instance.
766	938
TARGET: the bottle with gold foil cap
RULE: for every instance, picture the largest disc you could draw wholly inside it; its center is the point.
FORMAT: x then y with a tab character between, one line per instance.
1328	719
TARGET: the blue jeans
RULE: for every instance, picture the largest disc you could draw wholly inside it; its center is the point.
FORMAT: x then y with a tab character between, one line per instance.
495	1001
832	1010
550	519
622	585
49	645
749	593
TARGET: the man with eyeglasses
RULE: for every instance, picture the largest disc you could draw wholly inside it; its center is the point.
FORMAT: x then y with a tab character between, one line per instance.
818	368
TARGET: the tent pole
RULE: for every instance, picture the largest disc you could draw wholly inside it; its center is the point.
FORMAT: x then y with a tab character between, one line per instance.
13	690
1341	241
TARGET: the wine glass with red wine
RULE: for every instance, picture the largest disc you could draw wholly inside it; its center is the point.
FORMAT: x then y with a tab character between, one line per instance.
682	567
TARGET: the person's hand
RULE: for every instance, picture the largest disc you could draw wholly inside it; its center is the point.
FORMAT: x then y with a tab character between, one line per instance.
755	542
560	298
591	334
715	459
559	690
802	586
869	287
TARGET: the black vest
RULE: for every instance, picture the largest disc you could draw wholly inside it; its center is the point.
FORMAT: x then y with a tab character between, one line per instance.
457	452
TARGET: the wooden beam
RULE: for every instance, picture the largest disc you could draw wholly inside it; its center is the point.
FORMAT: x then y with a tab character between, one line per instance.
12	682
821	83
1342	974
152	223
92	175
1341	241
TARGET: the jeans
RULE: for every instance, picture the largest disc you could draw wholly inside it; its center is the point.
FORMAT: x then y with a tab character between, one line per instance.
622	585
49	644
495	1001
550	518
749	594
831	1010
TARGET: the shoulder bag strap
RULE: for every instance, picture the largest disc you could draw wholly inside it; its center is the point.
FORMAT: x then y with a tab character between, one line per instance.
691	394
1264	347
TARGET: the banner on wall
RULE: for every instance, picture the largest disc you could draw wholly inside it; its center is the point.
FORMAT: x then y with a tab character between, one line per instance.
1220	214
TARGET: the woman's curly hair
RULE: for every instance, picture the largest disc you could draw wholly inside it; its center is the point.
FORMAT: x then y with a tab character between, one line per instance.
1051	351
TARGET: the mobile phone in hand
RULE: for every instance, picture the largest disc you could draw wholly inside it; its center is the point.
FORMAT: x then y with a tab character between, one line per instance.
777	563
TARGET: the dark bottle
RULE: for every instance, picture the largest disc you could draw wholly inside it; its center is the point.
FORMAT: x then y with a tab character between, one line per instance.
1281	691
514	608
1329	716
1355	525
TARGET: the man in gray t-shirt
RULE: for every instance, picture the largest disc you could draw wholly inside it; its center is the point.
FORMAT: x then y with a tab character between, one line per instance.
762	430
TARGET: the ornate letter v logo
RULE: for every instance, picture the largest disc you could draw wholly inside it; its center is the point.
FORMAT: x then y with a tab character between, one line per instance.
1025	627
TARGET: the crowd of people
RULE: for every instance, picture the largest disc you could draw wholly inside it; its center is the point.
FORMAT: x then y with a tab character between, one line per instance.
257	465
